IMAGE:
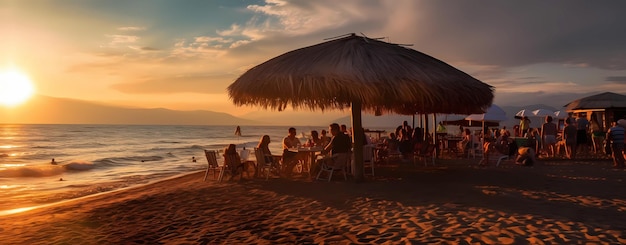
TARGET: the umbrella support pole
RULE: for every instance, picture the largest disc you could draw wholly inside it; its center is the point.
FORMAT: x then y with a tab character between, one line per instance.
358	137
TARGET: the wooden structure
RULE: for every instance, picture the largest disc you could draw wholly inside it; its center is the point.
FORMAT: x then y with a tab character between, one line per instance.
608	107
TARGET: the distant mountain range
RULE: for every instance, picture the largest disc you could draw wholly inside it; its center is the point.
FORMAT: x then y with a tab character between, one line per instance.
50	110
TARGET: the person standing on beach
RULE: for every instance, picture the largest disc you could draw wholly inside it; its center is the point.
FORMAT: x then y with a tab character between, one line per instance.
597	133
289	157
570	132
582	124
548	136
615	136
524	125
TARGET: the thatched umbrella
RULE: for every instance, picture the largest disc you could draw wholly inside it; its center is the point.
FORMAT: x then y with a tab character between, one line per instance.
598	101
364	74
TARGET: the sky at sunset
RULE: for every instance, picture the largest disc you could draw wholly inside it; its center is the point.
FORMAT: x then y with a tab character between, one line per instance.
183	54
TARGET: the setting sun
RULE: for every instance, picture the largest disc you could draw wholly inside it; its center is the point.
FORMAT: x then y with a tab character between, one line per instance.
15	88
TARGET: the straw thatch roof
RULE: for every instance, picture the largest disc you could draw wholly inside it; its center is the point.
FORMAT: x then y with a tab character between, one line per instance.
598	101
379	75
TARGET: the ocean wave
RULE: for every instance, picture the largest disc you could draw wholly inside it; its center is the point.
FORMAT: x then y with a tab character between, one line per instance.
44	170
167	142
78	165
116	161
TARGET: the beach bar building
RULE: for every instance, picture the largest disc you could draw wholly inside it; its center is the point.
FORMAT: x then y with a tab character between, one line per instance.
608	107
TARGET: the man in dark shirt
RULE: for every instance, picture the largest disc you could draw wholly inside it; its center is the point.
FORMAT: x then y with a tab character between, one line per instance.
339	143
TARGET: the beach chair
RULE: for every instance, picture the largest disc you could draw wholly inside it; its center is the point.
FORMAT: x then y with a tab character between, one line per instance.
262	165
233	166
493	154
368	159
211	157
334	163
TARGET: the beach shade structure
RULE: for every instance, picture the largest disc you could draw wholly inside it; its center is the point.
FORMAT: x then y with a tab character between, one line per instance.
543	113
362	74
609	106
599	101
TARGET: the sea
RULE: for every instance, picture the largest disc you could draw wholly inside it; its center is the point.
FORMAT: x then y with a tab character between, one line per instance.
93	159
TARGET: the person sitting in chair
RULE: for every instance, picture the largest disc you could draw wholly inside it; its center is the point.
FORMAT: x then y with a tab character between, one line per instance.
232	161
289	157
496	149
340	143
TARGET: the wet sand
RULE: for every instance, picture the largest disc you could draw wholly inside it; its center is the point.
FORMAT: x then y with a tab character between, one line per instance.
554	202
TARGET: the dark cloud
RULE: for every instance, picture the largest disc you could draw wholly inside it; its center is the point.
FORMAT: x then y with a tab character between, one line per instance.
550	98
617	79
491	32
209	84
517	33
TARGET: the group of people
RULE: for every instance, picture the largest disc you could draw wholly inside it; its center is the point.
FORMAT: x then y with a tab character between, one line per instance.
339	142
578	135
403	141
581	135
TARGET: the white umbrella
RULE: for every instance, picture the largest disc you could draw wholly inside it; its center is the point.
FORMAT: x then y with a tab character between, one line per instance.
523	113
493	114
543	113
560	115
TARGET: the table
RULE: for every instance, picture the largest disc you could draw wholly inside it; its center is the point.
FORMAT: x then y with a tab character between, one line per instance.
307	154
452	144
520	141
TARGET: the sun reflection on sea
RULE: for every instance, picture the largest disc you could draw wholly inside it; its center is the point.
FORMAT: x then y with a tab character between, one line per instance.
5	166
17	210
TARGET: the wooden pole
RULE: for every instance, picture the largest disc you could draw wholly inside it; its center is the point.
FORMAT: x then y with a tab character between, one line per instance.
358	136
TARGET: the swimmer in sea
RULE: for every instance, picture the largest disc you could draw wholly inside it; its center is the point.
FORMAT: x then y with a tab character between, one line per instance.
53	162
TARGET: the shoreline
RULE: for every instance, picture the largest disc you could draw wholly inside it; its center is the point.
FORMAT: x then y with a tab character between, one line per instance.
553	202
33	207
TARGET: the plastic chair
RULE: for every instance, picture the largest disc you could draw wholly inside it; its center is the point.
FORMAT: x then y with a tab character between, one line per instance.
337	162
368	159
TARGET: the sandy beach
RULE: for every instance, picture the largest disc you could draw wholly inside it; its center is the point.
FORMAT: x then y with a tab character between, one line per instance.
554	202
